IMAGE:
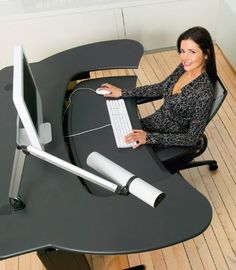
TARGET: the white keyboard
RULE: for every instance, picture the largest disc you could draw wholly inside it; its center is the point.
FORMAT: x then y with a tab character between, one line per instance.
120	121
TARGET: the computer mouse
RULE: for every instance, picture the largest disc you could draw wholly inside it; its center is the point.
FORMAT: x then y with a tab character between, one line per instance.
102	91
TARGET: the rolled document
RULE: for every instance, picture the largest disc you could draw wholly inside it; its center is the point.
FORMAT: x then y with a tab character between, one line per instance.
136	186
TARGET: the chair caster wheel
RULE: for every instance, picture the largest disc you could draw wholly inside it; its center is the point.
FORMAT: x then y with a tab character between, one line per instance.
213	166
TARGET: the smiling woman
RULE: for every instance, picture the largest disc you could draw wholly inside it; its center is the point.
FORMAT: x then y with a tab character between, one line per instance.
196	51
187	93
193	61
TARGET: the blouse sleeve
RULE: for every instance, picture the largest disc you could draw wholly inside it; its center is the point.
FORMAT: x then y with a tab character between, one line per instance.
196	129
153	90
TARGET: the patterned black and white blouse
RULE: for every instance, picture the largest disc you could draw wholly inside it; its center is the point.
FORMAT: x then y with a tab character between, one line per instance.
182	118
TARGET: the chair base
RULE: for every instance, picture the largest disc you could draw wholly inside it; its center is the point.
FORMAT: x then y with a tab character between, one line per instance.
211	163
175	167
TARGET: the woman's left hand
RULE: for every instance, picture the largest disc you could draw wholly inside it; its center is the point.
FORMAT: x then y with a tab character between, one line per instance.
139	136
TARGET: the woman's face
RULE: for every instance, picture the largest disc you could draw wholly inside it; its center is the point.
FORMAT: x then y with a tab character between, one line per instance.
191	56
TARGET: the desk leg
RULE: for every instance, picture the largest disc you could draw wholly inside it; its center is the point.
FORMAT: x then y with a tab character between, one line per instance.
53	259
138	267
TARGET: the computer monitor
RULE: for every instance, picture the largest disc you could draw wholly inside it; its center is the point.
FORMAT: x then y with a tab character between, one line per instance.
27	100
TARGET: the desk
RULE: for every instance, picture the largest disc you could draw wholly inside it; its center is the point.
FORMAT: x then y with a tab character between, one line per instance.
60	213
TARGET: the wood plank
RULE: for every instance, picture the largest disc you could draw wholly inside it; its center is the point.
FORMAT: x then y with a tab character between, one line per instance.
210	237
193	255
158	260
35	263
134	259
176	257
10	264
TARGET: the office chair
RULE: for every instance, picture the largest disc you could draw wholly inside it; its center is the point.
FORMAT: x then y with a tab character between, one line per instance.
179	158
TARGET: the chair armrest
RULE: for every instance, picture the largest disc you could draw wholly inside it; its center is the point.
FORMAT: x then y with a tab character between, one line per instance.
202	145
142	100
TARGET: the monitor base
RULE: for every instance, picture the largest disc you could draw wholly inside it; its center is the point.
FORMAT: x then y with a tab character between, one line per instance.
17	204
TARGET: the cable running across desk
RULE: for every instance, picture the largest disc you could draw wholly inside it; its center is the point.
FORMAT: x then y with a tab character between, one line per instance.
119	118
120	121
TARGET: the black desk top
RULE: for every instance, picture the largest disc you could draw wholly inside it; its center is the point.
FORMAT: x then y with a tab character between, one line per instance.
59	211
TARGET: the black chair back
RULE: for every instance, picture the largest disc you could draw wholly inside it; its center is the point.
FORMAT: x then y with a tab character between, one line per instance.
220	95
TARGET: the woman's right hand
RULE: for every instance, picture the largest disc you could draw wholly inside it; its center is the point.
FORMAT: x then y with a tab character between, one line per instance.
115	91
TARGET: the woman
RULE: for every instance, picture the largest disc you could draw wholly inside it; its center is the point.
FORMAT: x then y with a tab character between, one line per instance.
187	93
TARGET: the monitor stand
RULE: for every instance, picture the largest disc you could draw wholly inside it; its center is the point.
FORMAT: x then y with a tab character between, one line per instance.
19	160
18	166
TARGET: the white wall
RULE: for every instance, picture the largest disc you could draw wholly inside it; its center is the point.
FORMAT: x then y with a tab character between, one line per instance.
159	25
45	35
46	27
226	30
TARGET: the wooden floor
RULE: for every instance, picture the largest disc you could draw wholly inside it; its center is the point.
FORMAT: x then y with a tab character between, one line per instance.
216	247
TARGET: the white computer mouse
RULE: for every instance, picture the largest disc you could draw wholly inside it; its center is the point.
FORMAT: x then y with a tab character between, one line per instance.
102	91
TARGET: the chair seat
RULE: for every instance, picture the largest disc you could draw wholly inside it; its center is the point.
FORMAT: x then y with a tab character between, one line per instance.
173	153
176	158
179	158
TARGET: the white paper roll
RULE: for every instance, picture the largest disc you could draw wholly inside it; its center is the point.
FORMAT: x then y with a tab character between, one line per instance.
138	187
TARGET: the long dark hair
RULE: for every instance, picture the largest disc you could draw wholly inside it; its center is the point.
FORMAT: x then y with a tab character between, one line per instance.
203	38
